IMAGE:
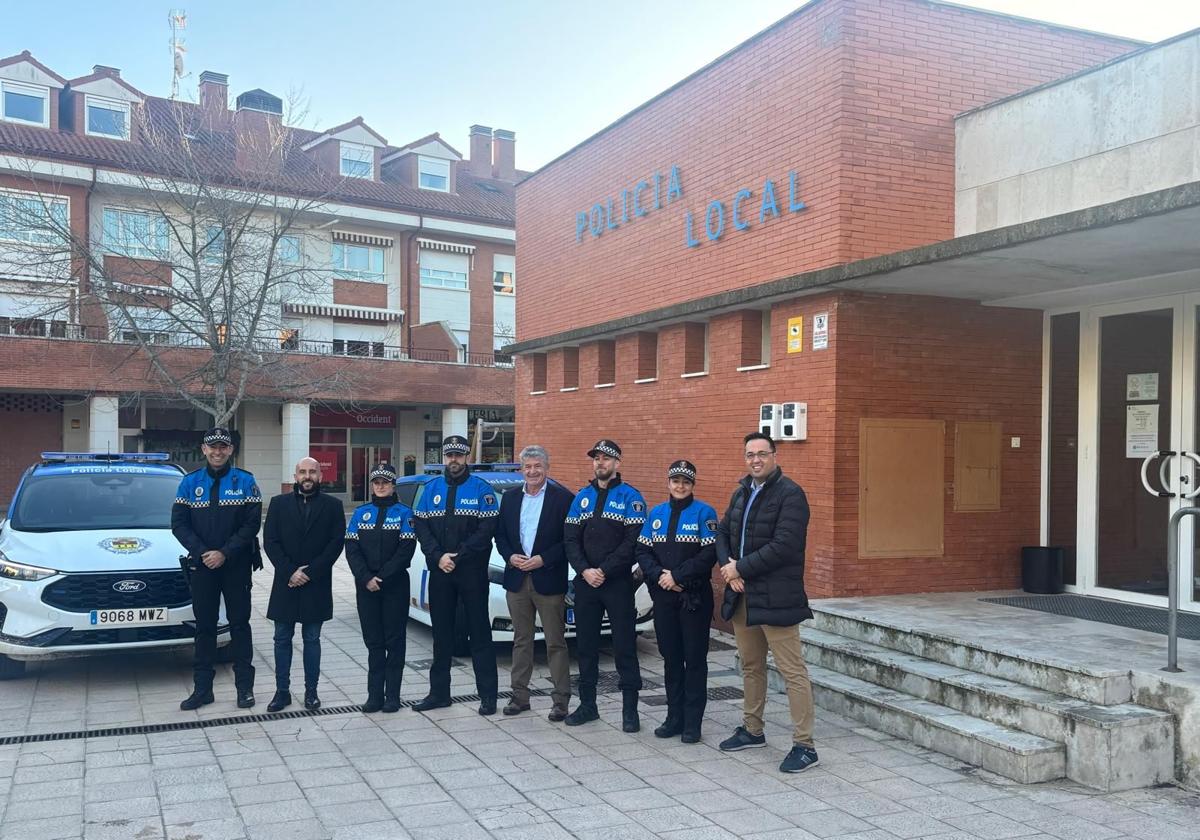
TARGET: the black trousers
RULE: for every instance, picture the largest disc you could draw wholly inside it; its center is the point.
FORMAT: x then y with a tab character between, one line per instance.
614	597
470	585
683	642
230	581
383	616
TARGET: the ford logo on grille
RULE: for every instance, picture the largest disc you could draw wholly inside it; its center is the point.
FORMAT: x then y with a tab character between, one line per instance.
129	586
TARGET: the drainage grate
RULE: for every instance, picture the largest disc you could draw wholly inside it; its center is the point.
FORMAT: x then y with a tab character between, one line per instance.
1118	613
211	723
721	692
609	682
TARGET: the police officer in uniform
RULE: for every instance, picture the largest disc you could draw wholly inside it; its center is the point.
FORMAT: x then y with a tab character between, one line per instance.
455	518
380	542
600	534
677	551
216	516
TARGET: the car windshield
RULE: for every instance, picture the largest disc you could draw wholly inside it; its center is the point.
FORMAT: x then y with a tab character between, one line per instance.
95	501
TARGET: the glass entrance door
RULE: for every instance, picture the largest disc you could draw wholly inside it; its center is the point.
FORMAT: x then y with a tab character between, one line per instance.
1138	381
363	459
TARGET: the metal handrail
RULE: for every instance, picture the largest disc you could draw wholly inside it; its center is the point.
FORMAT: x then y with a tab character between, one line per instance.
1173	587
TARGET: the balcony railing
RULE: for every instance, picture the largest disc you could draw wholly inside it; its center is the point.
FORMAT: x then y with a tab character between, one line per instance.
60	330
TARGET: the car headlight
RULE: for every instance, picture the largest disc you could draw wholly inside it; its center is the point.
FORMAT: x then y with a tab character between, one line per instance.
20	571
495	575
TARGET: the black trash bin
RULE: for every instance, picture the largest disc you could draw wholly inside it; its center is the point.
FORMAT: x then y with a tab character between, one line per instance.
1042	569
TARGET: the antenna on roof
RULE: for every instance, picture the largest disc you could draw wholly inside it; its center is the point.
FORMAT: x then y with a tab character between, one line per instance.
177	19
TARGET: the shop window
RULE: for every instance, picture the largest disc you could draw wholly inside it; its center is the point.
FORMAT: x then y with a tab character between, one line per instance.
538	362
606	362
695	349
570	362
647	356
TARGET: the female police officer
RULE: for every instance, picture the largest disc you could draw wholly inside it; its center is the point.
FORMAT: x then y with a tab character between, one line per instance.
379	547
676	550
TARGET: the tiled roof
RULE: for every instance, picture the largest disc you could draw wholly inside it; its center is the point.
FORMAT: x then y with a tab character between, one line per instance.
477	199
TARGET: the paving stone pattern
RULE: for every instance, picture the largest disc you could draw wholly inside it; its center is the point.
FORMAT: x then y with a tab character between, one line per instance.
453	774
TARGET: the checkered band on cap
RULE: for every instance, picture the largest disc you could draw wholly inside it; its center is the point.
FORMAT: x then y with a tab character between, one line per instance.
218	435
605	447
455	445
683	468
384	471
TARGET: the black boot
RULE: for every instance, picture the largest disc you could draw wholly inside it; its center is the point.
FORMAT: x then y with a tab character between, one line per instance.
671	727
374	704
629	712
199	697
280	701
586	711
311	701
391	704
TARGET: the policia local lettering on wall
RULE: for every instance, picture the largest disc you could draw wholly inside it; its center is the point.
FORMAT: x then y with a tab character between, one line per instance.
647	195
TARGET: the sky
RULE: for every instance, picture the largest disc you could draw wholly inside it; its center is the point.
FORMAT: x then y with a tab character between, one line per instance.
554	72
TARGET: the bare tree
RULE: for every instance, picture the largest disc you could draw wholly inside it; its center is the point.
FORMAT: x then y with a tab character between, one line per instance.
195	278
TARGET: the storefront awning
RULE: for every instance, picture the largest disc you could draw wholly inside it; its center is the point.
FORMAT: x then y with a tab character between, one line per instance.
333	310
449	247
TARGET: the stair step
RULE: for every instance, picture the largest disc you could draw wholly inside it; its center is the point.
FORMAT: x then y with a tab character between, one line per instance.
1101	686
1007	752
1116	747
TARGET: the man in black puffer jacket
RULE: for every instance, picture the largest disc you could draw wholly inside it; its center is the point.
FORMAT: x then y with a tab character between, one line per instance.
760	546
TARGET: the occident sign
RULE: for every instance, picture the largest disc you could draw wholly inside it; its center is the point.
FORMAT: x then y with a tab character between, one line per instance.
741	211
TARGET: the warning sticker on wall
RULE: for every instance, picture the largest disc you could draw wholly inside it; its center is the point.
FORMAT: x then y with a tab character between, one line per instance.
795	337
821	331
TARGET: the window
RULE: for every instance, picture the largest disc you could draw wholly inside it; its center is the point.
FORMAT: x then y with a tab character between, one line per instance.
35	219
503	283
133	233
433	174
357	161
107	117
29	104
289	339
288	250
214	245
361	262
441	279
352	347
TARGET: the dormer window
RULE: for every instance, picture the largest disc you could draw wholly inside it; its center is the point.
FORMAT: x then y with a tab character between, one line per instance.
433	174
26	104
357	161
107	117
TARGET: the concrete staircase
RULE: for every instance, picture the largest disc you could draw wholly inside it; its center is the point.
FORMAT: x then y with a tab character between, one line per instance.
1030	720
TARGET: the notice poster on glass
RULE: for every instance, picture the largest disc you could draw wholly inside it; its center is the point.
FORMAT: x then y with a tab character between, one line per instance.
1141	430
1141	386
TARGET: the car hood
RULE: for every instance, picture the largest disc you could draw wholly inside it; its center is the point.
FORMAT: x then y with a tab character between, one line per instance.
93	551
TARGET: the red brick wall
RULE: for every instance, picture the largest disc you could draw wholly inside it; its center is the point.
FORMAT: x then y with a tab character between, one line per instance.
29	425
355	293
856	96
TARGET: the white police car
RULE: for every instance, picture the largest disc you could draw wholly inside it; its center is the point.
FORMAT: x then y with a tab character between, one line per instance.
88	562
501	477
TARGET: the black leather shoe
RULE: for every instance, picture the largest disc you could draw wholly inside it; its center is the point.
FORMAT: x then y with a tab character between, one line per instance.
196	699
391	704
245	699
689	737
583	713
279	702
431	702
630	722
557	714
669	729
373	705
487	708
311	701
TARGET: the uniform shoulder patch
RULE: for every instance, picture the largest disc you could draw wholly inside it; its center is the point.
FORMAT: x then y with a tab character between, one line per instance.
656	524
711	524
410	522
583	503
199	492
489	499
638	507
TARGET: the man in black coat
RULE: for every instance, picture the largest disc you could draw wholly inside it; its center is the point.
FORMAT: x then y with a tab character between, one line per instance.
529	536
303	537
760	546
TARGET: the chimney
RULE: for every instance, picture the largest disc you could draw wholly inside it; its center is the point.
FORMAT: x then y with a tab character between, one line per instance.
504	155
214	98
481	151
106	70
257	129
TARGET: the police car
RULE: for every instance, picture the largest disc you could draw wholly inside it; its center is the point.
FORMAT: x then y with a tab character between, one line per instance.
88	562
502	477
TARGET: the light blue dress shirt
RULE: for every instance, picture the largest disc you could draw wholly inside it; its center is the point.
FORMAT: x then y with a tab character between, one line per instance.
754	488
531	512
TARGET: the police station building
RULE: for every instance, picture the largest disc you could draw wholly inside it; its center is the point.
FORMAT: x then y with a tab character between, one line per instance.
953	253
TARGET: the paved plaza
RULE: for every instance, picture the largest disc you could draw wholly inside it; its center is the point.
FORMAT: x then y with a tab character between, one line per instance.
453	774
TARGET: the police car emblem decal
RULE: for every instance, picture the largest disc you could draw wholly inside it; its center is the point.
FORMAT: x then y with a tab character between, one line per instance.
437	500
124	545
656	524
583	503
199	492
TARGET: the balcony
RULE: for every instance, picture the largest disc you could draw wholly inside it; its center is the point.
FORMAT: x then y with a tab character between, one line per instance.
62	331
